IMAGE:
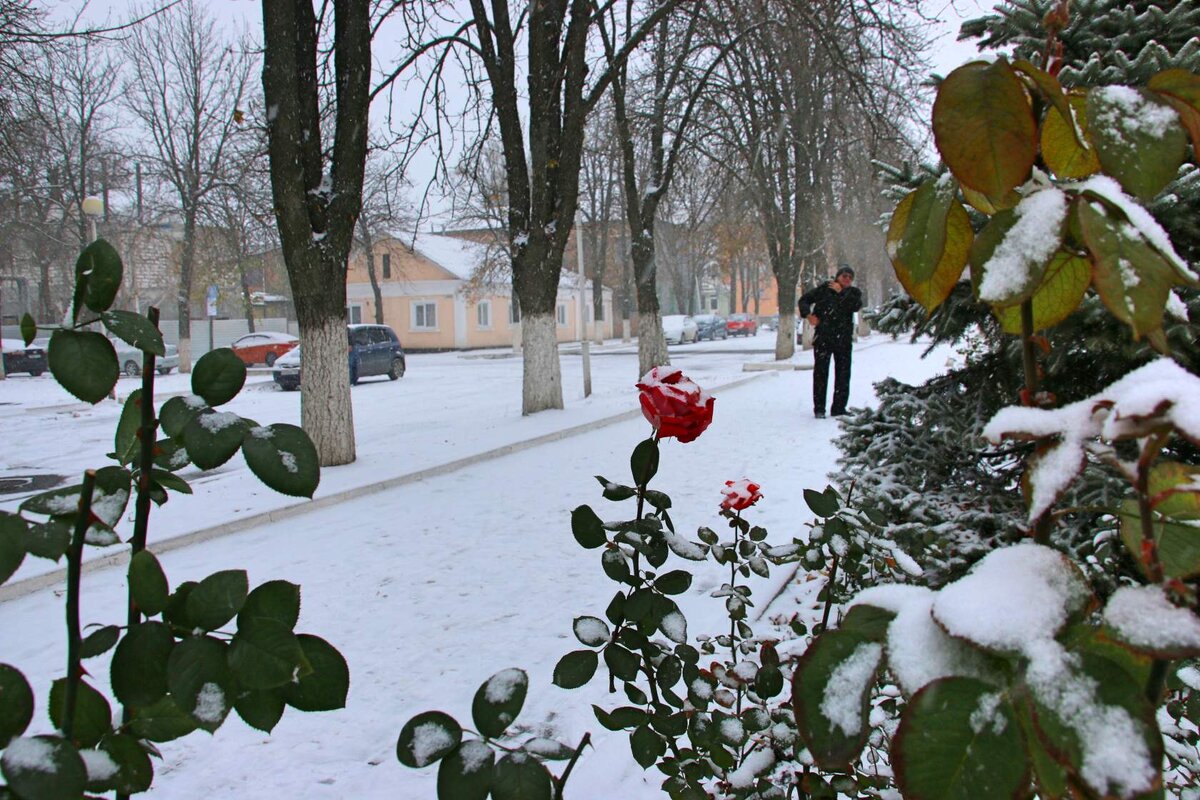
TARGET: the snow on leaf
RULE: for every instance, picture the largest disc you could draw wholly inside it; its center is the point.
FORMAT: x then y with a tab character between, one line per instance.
842	702
1144	617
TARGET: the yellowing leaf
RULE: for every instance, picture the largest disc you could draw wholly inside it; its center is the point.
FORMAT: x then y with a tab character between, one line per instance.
1174	490
1131	277
1050	89
985	204
1066	280
930	288
918	244
1011	253
1063	153
1138	137
1181	89
984	128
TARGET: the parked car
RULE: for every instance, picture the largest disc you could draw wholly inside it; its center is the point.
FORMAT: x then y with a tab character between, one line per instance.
374	350
19	358
130	358
710	326
263	347
771	323
679	329
741	325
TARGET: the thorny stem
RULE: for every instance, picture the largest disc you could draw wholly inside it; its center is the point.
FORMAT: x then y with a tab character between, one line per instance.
83	521
833	567
1141	486
560	784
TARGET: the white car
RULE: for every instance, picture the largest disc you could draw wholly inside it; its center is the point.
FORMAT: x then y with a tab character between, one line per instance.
679	329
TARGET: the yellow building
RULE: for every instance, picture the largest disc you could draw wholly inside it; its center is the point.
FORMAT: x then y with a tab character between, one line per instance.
447	293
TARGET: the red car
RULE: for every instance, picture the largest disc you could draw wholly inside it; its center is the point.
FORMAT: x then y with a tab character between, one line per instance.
263	347
741	325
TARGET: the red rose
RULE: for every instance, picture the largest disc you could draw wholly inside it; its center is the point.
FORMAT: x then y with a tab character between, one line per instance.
674	405
740	495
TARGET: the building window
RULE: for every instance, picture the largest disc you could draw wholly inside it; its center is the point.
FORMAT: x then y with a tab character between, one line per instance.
483	314
354	315
424	316
562	315
387	266
514	311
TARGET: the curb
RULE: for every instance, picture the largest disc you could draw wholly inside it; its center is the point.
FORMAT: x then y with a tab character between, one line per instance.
26	586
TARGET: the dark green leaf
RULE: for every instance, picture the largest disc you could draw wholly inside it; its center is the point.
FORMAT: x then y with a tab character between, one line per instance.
148	583
615	564
93	715
212	437
85	363
177	412
587	527
466	773
833	746
591	631
660	501
519	776
176	610
200	681
1143	157
768	682
135	773
639	604
618	492
647	746
274	600
162	721
621	662
284	458
820	503
326	686
869	622
261	709
138	672
16	704
575	669
426	738
498	701
43	768
136	330
218	376
643	464
48	539
126	443
13	537
674	582
98	273
217	598
946	748
265	654
99	641
28	329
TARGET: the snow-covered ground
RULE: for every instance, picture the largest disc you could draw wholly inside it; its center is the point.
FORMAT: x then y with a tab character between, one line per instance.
429	587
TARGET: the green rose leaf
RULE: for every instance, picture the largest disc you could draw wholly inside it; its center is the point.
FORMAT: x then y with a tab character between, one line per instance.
768	682
16	704
212	437
43	768
260	709
135	772
148	583
1132	279
1169	490
923	240
99	641
928	245
867	621
176	610
959	739
821	503
1063	286
591	631
93	715
984	128
162	721
675	582
643	464
48	539
1006	266
177	412
218	376
138	672
1138	138
126	445
587	527
466	773
98	273
136	330
615	564
426	738
498	701
621	662
284	458
13	534
199	679
1178	543
85	363
217	598
831	690
28	328
278	601
265	654
1051	90
575	669
647	746
519	776
326	686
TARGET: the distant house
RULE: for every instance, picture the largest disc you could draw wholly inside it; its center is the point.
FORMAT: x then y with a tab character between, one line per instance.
447	293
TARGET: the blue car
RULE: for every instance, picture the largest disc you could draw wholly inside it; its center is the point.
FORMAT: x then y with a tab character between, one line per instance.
374	350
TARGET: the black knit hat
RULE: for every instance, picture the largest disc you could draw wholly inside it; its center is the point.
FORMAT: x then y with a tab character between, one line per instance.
844	269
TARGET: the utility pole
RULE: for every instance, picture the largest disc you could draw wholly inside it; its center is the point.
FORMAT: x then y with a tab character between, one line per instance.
584	348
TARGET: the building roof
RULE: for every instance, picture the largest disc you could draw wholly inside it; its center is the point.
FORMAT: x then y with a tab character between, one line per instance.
459	256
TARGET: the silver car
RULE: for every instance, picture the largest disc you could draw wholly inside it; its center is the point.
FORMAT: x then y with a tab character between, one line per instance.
130	359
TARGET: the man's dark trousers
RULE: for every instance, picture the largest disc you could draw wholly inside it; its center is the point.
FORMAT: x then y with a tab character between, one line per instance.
841	379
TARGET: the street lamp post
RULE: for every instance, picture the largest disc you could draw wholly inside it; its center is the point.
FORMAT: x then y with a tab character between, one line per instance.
93	208
584	349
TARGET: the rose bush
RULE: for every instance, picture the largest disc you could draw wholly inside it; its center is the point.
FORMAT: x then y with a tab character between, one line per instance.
740	495
674	405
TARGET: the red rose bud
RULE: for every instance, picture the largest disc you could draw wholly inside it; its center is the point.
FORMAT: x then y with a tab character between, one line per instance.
674	405
740	495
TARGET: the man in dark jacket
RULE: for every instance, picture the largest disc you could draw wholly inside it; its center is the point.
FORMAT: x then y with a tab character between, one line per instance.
830	308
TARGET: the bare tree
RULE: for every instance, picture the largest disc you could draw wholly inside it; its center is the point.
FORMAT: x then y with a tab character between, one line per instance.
186	88
599	190
385	208
317	182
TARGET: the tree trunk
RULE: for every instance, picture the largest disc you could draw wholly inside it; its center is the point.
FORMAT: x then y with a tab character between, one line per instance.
326	412
541	387
246	301
652	345
187	261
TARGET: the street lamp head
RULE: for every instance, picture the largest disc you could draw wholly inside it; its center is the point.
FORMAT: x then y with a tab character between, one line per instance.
92	206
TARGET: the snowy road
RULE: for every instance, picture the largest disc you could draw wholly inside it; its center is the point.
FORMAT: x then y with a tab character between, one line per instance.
428	589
